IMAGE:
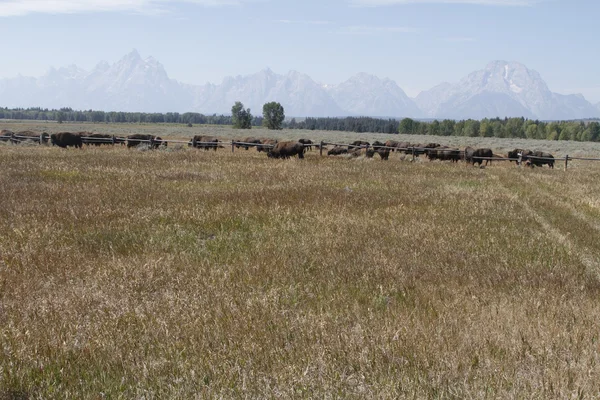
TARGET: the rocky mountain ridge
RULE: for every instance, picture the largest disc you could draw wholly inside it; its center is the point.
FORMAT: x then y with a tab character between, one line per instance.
135	84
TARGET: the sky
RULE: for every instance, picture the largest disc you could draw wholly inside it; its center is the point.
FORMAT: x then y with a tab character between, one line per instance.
417	43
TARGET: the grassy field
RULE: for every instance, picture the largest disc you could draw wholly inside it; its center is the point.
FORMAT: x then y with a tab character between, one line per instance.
189	274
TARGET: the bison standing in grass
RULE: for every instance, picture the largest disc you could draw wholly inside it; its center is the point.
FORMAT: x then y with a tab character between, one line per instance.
137	138
266	145
30	135
157	141
6	135
307	142
392	143
383	153
248	142
149	140
377	145
205	142
359	143
425	148
287	150
444	154
540	158
515	155
97	139
473	156
66	139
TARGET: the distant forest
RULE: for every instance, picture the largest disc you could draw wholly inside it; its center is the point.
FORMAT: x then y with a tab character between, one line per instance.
588	130
70	115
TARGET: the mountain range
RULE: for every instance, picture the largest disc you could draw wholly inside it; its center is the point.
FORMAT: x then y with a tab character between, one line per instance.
501	89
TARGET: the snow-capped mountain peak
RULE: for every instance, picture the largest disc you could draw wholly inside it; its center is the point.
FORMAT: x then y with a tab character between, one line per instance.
502	89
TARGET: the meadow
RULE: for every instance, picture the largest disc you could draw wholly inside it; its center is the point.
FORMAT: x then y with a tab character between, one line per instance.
183	273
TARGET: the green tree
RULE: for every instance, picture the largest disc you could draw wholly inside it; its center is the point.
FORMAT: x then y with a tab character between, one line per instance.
594	128
486	129
407	126
471	128
531	131
240	117
273	115
434	128
552	131
447	127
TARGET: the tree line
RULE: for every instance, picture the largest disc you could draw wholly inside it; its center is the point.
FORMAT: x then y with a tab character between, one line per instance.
70	115
588	130
348	124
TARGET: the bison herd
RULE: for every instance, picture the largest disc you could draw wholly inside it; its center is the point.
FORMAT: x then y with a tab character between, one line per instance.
78	139
286	149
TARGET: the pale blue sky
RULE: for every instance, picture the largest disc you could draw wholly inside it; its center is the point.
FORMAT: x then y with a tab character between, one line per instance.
417	43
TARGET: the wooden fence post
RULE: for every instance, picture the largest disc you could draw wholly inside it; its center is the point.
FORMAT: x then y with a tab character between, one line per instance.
566	161
321	148
113	140
232	146
413	154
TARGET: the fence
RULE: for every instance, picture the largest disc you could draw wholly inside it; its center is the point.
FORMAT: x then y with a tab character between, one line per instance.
415	151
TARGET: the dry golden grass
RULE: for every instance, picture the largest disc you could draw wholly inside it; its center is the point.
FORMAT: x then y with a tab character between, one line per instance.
192	274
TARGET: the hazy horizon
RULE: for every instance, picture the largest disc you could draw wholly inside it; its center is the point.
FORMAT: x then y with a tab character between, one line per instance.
416	43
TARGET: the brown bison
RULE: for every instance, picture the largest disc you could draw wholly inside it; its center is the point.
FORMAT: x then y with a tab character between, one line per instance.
444	153
157	141
473	156
383	153
369	153
6	135
425	148
96	139
151	141
248	142
359	143
377	145
137	138
540	158
337	150
514	155
307	143
66	139
287	150
204	142
468	154
357	152
30	135
266	144
392	143
405	147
